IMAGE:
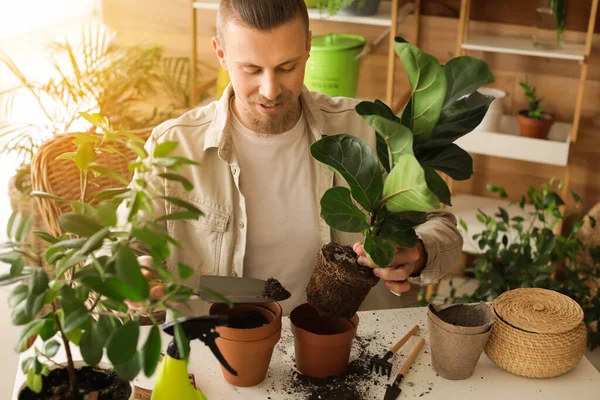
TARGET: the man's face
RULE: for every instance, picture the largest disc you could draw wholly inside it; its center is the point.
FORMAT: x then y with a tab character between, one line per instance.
267	73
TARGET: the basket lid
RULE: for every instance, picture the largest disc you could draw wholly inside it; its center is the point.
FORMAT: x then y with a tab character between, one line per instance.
538	310
336	42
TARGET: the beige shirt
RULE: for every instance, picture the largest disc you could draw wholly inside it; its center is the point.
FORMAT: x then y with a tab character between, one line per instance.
277	185
217	242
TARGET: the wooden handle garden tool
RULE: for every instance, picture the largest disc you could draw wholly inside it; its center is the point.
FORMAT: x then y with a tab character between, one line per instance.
393	391
383	363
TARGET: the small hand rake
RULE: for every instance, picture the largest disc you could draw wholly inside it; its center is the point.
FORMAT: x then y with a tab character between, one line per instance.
383	363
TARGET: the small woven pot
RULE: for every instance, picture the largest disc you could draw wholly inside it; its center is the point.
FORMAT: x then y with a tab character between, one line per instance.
538	333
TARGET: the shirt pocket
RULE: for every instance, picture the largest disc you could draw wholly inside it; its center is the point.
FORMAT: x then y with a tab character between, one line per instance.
201	241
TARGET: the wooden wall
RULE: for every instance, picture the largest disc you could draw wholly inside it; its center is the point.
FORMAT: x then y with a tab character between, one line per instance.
168	24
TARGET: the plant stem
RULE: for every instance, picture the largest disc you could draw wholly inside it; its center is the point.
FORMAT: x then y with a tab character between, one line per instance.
70	366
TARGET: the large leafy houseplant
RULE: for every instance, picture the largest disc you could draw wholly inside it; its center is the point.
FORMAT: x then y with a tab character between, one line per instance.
527	252
78	297
391	188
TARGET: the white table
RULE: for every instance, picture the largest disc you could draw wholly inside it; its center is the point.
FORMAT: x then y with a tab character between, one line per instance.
385	327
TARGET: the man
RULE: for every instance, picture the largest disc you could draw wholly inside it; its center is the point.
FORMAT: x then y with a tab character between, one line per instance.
257	184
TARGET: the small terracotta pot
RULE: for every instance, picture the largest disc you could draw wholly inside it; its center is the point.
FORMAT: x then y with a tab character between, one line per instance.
534	128
322	343
248	351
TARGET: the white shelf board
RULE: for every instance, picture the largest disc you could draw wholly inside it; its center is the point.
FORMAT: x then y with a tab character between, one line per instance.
382	18
465	206
522	46
508	143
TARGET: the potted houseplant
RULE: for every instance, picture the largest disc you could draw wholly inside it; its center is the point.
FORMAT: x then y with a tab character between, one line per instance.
444	105
136	87
78	297
534	122
526	252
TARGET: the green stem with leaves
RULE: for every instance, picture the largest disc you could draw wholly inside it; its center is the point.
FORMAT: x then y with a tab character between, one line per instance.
70	365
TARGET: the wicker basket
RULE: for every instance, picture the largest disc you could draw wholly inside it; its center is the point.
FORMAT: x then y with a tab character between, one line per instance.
62	177
538	333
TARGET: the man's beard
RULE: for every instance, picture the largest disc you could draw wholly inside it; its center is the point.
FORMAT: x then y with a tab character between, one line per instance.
271	124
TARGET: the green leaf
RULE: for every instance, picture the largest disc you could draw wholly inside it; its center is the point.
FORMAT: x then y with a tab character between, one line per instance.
406	189
464	75
44	195
356	162
437	185
151	351
78	224
20	315
83	208
67	156
12	221
45	237
449	159
123	343
129	271
137	149
408	238
91	346
68	262
85	155
179	215
95	241
428	83
383	154
104	329
340	213
23	228
463	224
130	369
51	348
185	271
576	197
187	185
111	287
76	314
108	194
34	381
115	305
459	118
163	149
184	204
95	119
32	329
398	138
108	172
17	267
69	244
183	344
380	250
503	214
49	329
17	295
26	364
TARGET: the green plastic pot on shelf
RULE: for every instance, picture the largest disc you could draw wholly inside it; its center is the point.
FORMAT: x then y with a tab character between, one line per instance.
332	68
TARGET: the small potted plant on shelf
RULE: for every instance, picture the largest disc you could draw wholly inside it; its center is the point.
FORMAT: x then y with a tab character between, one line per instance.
77	298
534	122
391	188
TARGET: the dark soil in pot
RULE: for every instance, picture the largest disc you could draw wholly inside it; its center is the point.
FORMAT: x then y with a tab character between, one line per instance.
89	380
248	320
275	291
338	284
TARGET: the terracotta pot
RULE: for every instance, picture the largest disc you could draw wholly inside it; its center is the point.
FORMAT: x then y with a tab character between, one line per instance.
322	343
248	351
535	128
80	364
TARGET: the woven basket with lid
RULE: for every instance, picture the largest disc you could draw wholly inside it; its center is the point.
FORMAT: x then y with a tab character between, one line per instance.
538	333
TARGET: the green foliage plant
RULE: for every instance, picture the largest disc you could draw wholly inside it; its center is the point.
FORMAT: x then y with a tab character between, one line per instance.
390	189
78	297
535	110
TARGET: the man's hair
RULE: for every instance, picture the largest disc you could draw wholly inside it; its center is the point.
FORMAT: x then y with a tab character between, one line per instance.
263	15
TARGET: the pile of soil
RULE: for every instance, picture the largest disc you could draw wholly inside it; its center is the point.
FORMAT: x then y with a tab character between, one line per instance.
355	384
89	380
248	320
275	291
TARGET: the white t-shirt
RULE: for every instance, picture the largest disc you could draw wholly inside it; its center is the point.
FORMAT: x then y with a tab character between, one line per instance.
278	182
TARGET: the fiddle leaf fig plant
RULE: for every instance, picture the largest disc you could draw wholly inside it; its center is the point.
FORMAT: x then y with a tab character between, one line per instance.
78	298
391	188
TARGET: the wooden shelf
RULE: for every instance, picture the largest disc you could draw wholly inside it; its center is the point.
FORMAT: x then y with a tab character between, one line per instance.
465	206
507	143
383	17
522	46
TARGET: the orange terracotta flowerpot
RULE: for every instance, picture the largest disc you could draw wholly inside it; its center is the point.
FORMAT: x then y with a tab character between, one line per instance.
248	351
534	128
322	343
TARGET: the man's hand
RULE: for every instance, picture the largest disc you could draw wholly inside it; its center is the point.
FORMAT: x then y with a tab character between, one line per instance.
406	262
157	289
